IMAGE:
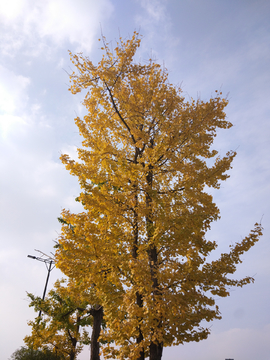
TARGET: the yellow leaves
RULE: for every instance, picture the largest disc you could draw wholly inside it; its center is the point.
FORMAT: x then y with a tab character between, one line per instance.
58	328
140	245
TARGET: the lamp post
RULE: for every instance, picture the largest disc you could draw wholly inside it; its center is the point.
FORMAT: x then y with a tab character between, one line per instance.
49	262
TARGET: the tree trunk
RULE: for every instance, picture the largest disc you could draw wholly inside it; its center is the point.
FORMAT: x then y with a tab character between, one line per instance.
140	337
156	351
139	299
72	355
98	316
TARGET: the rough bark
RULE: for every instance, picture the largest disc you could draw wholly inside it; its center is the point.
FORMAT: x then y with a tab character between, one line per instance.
155	348
140	337
155	351
97	317
139	299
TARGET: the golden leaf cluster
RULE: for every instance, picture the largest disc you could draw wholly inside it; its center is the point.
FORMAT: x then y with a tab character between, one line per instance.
140	244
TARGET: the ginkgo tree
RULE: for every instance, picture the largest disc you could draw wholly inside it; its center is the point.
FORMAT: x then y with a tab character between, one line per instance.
61	328
146	162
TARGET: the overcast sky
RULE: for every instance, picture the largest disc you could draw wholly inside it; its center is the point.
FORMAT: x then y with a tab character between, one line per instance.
206	45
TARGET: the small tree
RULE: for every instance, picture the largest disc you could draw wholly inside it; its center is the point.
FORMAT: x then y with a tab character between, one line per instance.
60	329
96	311
30	354
144	170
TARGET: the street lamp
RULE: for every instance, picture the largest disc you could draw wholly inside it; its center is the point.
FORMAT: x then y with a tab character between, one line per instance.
49	262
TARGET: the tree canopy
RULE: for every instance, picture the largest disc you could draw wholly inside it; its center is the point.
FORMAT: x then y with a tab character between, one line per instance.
24	353
146	164
61	328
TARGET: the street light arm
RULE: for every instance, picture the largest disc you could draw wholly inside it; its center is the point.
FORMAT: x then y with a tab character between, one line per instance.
47	256
47	260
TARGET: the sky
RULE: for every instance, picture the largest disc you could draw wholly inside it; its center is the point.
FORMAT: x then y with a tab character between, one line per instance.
205	45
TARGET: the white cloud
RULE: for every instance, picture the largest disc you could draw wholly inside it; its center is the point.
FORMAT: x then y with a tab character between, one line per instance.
154	18
12	90
12	9
13	101
154	8
33	24
232	344
155	24
8	123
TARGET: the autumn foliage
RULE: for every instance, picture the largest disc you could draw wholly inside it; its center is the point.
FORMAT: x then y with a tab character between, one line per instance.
61	327
146	162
